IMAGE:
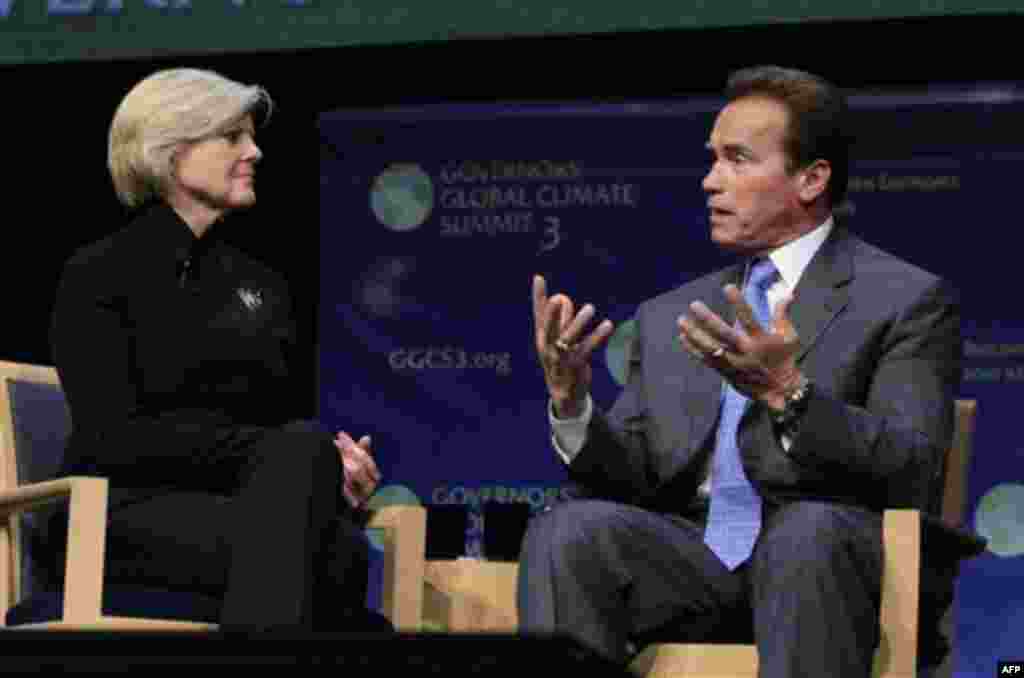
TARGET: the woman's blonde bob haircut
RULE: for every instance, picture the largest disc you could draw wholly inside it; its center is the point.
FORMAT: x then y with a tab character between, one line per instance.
166	110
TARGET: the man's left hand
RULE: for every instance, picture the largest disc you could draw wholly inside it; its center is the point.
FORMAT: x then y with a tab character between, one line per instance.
759	362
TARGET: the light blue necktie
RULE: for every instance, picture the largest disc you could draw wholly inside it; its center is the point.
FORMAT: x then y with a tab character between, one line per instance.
734	516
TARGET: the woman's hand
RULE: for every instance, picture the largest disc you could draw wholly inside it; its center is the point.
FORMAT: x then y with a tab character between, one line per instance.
361	473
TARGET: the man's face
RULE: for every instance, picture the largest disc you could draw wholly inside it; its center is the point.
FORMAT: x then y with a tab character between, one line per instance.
754	202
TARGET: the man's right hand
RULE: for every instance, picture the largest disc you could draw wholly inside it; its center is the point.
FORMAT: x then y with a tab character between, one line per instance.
563	355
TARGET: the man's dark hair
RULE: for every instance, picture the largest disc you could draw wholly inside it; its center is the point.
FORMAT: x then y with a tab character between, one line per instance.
817	118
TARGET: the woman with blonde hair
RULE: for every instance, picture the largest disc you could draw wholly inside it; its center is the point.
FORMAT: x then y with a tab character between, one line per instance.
172	348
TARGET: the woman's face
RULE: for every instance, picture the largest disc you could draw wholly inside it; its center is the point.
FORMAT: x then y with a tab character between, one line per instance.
218	172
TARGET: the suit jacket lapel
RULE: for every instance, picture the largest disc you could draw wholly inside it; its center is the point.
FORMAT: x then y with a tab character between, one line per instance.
701	410
822	292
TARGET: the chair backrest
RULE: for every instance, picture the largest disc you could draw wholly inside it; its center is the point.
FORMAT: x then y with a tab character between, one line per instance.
958	460
34	425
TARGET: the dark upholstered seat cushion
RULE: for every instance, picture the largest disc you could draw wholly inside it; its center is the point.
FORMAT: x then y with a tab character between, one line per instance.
42	424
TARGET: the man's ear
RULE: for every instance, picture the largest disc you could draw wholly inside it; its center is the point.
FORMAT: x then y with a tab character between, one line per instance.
814	180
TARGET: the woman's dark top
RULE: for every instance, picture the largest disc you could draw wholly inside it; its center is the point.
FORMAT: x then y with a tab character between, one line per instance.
173	353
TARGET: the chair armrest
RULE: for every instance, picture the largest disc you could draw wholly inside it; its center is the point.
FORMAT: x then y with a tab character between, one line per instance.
901	582
87	532
27	497
405	545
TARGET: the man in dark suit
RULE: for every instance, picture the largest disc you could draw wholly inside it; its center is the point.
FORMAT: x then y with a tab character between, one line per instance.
742	488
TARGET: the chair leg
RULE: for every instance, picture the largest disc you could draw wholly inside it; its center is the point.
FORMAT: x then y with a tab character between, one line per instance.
405	538
87	528
897	653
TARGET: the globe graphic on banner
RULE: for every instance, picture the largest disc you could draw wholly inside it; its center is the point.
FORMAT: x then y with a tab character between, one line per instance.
616	355
402	197
1000	519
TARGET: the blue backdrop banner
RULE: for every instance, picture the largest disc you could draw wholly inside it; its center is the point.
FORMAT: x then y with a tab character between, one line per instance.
434	220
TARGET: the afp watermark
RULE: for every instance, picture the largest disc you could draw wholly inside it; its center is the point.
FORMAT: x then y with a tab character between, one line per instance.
449	358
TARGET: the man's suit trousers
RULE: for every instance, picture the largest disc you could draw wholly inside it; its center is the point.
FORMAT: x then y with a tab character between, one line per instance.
617	576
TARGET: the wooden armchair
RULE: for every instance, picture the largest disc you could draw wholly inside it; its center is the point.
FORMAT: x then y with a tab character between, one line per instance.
34	423
467	595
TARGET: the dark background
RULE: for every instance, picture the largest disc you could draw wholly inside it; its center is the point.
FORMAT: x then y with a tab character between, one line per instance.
57	194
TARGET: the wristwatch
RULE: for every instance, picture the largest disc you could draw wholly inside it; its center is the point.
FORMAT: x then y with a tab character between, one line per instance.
796	404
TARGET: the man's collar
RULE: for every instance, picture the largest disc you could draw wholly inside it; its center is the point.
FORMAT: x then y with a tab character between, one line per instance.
792	259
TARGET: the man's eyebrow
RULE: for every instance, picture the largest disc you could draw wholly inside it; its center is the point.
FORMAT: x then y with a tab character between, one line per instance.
729	148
